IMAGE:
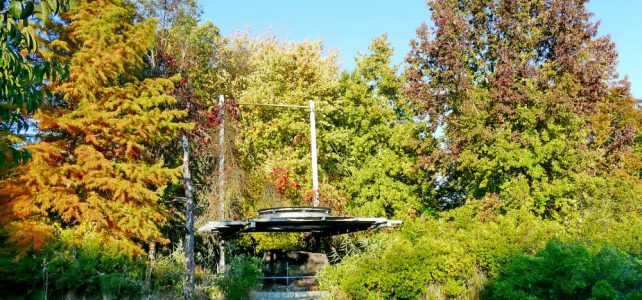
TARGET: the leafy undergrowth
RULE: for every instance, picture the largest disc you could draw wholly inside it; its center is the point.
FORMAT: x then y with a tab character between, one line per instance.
569	271
460	253
89	268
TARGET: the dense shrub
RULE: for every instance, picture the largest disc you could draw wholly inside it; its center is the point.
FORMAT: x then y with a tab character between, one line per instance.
86	267
455	255
447	257
242	276
569	271
169	271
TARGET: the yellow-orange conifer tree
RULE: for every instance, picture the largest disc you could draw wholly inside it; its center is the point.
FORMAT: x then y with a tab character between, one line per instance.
93	171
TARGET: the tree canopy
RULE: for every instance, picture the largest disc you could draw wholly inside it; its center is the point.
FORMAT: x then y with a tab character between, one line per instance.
93	169
25	69
506	142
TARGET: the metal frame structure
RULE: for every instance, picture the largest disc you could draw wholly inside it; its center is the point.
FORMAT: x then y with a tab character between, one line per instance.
315	219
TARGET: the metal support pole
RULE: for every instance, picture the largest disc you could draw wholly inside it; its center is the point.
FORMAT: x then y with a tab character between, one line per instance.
189	222
313	146
221	256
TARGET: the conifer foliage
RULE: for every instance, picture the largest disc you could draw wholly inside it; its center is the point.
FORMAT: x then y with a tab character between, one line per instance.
93	169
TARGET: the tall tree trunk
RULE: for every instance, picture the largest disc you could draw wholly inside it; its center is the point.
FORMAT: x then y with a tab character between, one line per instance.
151	264
221	160
221	181
189	223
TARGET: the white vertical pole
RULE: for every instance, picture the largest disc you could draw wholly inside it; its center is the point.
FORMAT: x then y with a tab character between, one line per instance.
313	146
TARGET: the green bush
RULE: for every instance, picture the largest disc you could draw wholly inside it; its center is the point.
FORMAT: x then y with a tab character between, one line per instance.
569	271
242	276
169	271
455	254
447	257
95	268
87	267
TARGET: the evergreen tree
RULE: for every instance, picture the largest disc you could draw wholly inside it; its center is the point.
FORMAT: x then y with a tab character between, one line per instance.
93	170
529	104
378	139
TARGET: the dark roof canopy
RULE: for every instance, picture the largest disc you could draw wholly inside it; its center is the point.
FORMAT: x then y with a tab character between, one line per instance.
297	219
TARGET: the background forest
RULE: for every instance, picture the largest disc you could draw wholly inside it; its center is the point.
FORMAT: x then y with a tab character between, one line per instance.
507	143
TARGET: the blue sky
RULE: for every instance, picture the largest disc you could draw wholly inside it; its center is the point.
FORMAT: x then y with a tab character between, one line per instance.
350	25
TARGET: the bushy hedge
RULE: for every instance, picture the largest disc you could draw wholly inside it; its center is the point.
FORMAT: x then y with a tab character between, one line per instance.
455	255
243	275
450	256
86	267
569	271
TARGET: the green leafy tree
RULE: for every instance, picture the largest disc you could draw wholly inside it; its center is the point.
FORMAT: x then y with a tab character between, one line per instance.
538	140
274	143
377	140
529	104
370	137
25	70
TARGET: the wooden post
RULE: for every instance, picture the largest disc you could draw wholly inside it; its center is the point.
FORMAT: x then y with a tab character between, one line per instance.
313	150
151	263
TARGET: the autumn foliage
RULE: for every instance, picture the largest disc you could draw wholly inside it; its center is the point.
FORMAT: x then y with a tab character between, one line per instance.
94	169
507	144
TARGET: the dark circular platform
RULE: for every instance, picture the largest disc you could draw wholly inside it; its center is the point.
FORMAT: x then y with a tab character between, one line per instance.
297	219
294	212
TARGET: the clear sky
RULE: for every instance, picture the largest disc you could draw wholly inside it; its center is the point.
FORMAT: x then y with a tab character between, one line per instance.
350	25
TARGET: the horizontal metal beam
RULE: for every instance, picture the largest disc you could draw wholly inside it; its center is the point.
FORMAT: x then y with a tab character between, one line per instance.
287	277
276	105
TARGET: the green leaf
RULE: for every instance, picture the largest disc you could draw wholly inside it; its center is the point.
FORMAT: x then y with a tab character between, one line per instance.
34	43
38	71
55	5
15	34
45	10
15	9
28	10
27	41
47	68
